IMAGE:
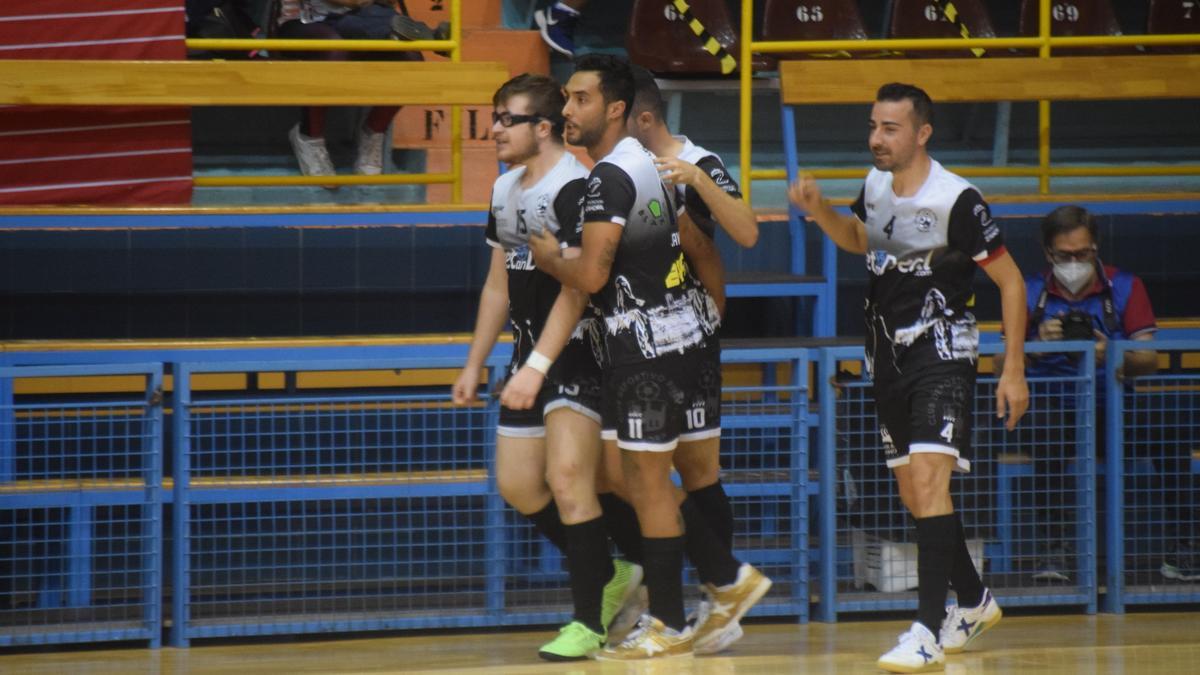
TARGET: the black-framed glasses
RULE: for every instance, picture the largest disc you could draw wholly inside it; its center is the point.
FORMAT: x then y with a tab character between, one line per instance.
1082	255
507	119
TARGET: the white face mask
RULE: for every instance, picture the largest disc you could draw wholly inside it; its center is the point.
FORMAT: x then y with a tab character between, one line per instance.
1074	275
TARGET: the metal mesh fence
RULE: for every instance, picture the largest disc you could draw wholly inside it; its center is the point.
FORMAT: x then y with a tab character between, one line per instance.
80	524
1159	447
1027	504
347	511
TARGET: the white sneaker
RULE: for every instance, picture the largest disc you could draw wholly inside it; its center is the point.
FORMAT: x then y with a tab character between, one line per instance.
311	153
715	641
369	161
963	624
917	651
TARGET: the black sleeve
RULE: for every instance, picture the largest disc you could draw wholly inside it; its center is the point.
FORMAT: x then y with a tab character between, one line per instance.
716	170
859	207
972	230
567	207
493	239
696	208
610	195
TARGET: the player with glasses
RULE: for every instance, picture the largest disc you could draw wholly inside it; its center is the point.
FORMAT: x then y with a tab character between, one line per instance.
548	447
507	119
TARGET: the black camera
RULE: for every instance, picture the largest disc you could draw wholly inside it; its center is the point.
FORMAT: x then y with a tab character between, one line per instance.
1077	325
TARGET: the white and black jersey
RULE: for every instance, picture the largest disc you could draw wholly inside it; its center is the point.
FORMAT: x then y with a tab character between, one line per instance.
922	252
552	205
649	301
699	212
711	165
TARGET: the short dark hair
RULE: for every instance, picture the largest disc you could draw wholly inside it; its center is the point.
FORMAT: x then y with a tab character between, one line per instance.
545	98
1066	219
647	96
616	77
921	103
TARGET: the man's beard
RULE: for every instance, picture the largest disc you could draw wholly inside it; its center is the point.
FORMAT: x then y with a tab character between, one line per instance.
588	138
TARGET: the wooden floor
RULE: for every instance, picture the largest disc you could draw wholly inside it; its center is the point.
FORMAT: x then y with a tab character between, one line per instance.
1133	643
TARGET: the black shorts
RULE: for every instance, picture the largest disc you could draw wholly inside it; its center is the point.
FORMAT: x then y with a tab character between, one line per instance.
573	382
652	405
925	407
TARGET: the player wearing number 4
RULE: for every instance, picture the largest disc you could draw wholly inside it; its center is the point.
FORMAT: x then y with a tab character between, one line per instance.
923	231
548	440
659	392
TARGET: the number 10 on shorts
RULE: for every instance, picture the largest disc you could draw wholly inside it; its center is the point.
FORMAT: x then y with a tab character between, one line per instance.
695	417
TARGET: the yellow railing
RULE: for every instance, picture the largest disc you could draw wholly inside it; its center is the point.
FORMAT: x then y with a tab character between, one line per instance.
452	45
1044	42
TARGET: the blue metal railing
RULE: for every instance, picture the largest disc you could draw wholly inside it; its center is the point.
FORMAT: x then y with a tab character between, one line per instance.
301	510
81	512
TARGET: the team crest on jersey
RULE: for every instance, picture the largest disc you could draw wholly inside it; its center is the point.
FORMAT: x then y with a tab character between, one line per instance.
719	177
594	187
925	220
654	209
543	205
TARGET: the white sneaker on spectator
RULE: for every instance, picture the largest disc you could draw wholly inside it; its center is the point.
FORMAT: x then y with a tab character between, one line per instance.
311	153
369	161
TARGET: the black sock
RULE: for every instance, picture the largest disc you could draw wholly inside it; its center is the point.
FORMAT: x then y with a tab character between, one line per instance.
718	513
712	559
664	579
622	524
590	568
963	576
548	523
936	543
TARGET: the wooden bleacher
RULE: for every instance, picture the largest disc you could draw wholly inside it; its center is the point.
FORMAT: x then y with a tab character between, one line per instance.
238	83
1075	78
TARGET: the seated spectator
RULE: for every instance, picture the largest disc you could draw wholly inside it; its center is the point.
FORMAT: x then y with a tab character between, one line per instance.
340	20
1077	298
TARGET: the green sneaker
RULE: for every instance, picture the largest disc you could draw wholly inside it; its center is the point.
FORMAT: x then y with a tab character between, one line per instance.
624	584
575	642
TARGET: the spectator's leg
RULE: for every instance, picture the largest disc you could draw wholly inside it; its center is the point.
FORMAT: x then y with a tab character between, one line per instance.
371	138
308	137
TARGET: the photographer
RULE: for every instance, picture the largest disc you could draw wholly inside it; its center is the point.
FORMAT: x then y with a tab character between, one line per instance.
1077	298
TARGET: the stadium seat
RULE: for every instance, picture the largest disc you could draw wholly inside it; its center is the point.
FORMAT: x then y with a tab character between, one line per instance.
1078	17
661	42
921	19
1173	17
789	20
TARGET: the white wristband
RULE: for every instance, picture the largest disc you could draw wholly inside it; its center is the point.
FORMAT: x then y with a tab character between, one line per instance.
539	362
